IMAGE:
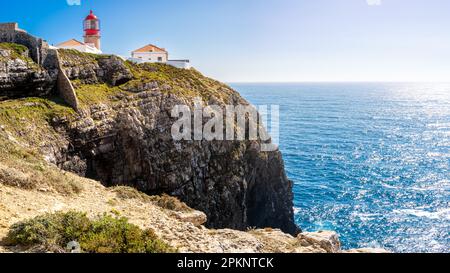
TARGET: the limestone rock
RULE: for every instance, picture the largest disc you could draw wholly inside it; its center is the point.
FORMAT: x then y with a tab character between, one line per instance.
197	218
326	240
21	77
92	69
115	71
235	184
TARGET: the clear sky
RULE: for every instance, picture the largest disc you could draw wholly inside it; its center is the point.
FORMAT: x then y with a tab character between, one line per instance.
265	40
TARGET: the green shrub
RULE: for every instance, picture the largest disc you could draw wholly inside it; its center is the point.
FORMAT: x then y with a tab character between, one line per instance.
115	235
105	234
49	229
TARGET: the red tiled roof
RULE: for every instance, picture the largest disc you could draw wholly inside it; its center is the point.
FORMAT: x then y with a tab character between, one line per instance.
71	42
150	48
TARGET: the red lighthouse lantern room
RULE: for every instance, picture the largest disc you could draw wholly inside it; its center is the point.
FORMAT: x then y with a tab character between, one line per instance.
91	26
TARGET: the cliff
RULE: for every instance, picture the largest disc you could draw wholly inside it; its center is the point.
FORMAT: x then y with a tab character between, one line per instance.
121	135
114	154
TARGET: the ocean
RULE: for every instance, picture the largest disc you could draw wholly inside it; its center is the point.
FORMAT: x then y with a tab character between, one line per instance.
368	160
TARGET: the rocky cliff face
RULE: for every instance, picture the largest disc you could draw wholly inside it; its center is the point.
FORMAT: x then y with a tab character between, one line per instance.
122	136
93	69
131	144
20	76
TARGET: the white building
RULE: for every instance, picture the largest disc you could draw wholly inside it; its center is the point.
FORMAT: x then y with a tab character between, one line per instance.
80	46
153	54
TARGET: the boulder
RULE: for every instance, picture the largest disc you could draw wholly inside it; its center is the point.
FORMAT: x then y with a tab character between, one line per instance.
326	240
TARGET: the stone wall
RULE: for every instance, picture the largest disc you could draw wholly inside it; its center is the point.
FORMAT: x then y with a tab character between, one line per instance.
9	27
36	46
40	52
63	84
66	90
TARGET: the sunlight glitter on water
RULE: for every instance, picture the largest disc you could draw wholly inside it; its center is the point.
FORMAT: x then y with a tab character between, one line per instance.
370	161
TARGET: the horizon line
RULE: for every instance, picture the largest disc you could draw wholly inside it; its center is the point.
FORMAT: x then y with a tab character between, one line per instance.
350	81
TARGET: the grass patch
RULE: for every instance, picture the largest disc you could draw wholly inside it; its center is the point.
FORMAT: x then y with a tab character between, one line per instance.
104	234
89	94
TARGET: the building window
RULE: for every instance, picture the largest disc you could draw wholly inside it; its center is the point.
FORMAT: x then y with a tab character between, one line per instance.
159	59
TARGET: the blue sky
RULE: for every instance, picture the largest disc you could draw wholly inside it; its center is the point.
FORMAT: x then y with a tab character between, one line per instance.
265	40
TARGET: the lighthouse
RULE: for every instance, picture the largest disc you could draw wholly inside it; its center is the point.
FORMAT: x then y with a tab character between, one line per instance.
91	26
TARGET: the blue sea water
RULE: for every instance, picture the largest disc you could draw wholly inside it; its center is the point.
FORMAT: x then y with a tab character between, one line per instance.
369	160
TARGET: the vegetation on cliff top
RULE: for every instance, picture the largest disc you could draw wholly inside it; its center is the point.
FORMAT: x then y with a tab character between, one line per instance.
186	82
167	79
104	234
82	57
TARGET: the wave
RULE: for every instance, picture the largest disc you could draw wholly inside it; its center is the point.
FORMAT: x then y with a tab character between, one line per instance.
443	214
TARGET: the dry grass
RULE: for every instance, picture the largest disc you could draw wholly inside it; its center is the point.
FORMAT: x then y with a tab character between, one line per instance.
124	193
163	201
171	203
23	168
48	179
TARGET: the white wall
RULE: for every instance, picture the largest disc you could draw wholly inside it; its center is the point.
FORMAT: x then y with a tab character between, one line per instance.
151	56
184	64
138	61
84	48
